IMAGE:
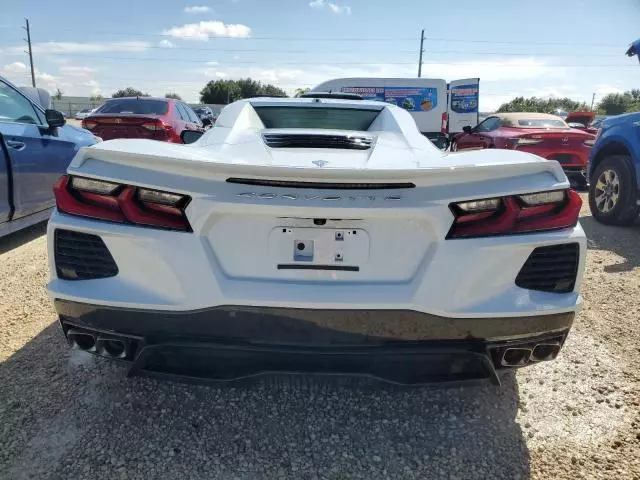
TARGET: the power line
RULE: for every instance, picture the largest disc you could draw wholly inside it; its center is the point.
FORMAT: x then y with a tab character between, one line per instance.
372	62
63	51
349	39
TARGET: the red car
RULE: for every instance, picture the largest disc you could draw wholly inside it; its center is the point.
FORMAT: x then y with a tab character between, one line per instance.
545	135
161	119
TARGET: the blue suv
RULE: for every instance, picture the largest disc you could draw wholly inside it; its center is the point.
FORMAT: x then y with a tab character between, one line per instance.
614	171
614	167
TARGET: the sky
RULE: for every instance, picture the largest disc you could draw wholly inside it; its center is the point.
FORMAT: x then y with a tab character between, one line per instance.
572	48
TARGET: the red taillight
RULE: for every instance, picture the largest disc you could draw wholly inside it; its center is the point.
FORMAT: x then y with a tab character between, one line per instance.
528	213
444	123
88	124
155	126
121	203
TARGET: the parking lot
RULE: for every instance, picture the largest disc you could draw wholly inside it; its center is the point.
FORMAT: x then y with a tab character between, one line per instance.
64	414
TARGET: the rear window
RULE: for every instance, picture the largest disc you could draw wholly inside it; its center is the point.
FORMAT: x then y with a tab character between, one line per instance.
139	106
542	123
317	117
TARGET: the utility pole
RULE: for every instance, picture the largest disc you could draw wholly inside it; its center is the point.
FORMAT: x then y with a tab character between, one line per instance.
421	52
28	40
593	98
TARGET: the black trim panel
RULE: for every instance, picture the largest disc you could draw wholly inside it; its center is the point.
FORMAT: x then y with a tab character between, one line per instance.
302	266
296	326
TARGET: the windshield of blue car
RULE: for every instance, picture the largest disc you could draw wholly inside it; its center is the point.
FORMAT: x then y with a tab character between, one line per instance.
139	106
313	117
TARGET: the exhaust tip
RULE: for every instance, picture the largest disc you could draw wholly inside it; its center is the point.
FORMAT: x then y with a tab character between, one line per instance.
84	341
516	357
112	347
545	351
115	348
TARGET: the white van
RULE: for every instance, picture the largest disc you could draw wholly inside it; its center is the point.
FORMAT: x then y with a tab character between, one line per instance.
439	109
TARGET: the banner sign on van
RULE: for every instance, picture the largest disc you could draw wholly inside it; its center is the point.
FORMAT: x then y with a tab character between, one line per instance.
410	98
464	98
368	93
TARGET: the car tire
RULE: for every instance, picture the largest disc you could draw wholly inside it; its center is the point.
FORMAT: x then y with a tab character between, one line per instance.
612	194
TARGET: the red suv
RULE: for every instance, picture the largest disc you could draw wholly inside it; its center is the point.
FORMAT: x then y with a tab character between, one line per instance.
161	119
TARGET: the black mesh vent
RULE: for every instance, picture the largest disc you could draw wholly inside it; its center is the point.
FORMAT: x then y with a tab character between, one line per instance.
551	269
287	140
81	256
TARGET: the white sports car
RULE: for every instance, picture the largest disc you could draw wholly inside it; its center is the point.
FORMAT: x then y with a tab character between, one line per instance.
315	235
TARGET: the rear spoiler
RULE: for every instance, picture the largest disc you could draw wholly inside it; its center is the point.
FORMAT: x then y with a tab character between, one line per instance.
178	161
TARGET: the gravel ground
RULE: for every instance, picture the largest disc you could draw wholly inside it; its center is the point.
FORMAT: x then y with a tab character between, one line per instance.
65	414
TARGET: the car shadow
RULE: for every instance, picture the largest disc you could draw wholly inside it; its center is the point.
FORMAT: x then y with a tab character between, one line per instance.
623	241
67	413
19	238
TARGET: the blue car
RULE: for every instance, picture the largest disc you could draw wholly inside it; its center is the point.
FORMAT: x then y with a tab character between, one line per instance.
614	167
36	147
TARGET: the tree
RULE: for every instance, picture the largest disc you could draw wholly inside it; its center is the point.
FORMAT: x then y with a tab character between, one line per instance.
58	95
227	91
172	95
249	88
129	92
96	98
542	105
220	92
301	91
272	91
615	103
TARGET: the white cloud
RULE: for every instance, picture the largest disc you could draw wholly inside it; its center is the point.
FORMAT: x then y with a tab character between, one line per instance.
76	47
72	80
212	62
45	77
91	83
76	70
166	44
15	67
20	74
204	30
547	92
334	7
492	71
197	9
604	89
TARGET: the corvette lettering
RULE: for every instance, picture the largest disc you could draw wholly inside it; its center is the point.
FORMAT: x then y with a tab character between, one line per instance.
326	198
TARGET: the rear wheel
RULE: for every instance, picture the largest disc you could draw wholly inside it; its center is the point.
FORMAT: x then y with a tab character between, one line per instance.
612	195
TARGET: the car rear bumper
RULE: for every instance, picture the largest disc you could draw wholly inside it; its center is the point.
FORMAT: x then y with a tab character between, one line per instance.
233	342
